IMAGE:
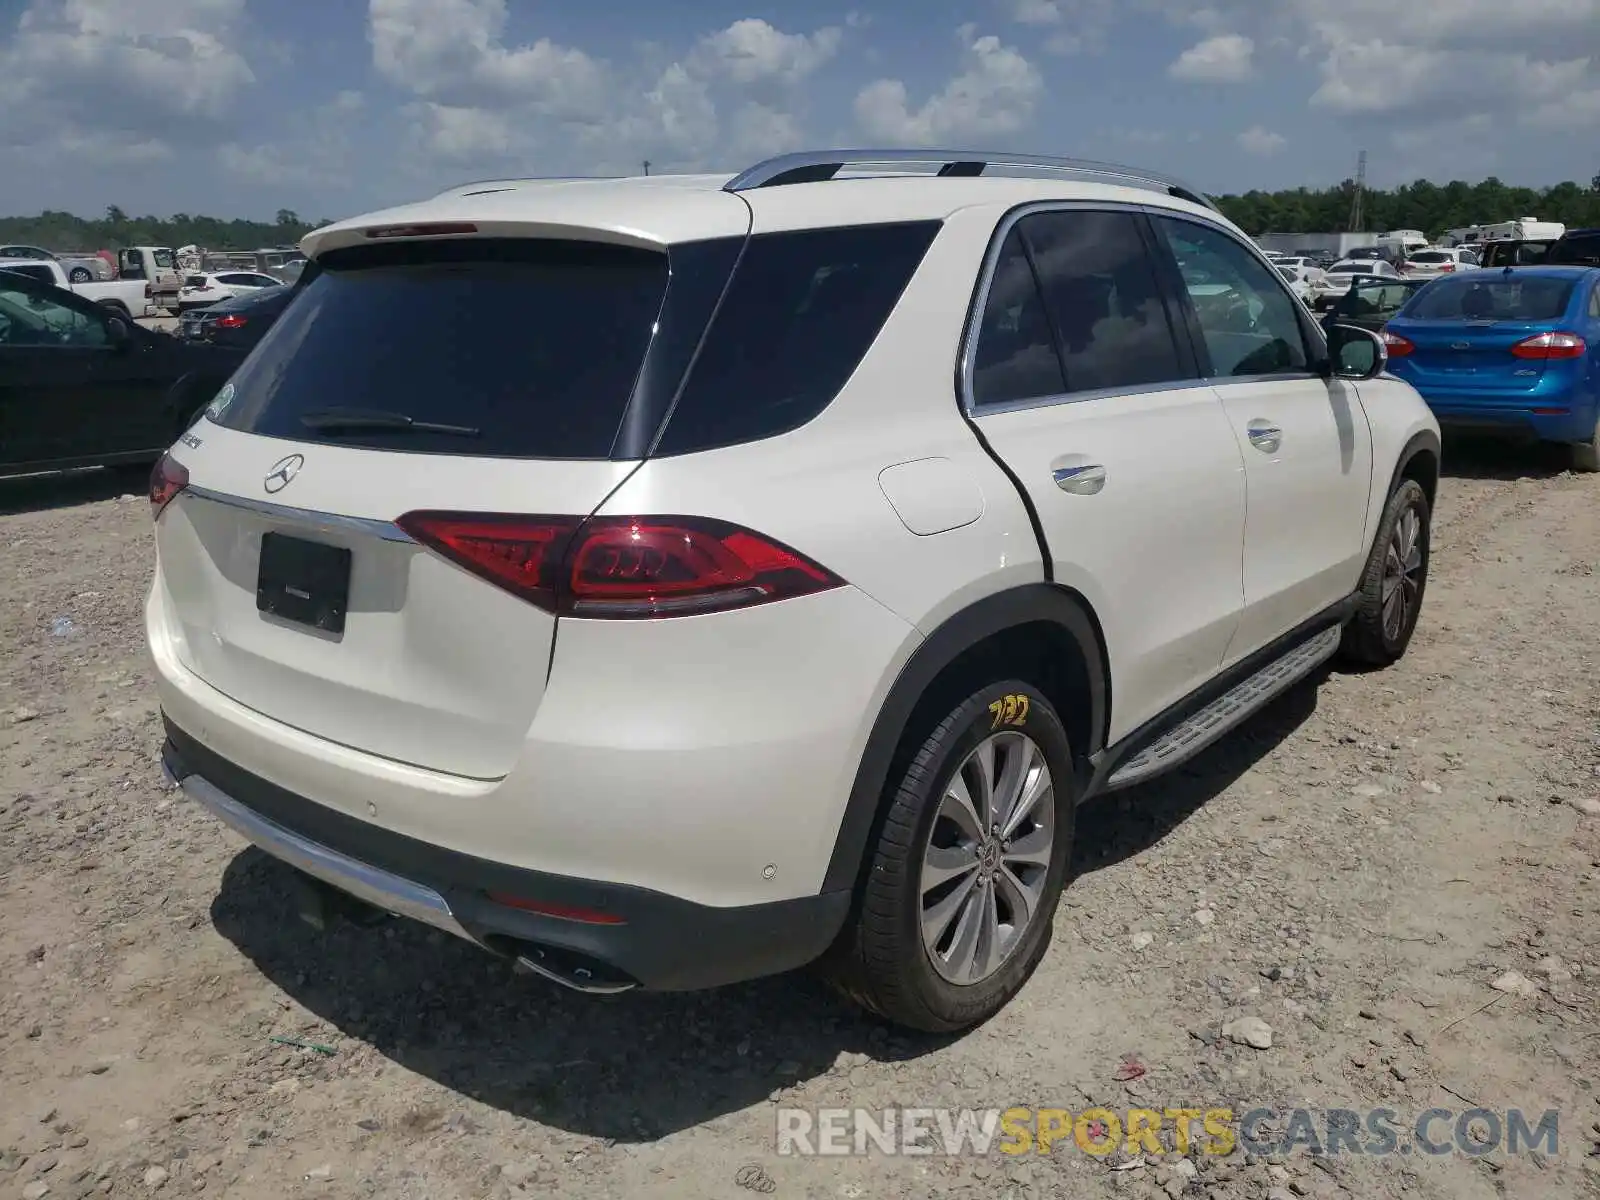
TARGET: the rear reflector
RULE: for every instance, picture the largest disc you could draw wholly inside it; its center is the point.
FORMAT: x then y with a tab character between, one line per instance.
1397	346
436	229
621	567
567	912
167	479
1551	345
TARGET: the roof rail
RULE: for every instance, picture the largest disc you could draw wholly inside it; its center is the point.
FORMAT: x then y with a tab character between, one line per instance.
815	166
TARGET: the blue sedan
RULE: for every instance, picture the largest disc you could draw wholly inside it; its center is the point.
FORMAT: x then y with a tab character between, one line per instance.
1516	351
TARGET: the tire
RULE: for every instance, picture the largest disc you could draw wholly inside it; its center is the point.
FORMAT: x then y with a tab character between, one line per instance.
1370	639
80	275
117	309
882	960
1586	455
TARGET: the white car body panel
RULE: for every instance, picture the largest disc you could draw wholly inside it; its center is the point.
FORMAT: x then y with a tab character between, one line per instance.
1304	536
1156	552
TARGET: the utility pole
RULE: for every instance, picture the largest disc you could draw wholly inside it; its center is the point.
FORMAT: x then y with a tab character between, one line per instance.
1355	221
647	166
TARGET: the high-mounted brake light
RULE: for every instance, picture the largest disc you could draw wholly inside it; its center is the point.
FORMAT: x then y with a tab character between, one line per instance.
1397	346
1551	345
621	567
434	229
167	479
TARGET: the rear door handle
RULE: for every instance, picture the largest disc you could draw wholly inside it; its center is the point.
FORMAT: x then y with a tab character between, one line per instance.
1264	436
1083	480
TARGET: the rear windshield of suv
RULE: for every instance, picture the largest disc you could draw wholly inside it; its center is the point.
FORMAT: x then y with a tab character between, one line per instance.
527	348
1517	298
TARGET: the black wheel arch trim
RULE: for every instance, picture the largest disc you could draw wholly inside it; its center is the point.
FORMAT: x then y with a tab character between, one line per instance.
1419	442
1026	605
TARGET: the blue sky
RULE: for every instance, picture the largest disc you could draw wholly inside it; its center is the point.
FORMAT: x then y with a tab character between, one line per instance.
332	107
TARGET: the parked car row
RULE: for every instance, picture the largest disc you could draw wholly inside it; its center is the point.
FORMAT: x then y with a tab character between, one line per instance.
82	384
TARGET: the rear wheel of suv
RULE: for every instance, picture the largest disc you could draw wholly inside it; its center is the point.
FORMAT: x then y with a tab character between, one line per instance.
1392	585
964	876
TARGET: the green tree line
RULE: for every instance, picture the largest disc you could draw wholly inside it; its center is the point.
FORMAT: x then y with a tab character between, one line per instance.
1430	207
61	231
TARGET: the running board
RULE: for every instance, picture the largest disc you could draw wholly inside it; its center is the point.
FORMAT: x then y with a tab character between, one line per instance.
1244	700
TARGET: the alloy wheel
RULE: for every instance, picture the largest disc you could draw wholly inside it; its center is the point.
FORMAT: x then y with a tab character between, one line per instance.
1402	573
987	859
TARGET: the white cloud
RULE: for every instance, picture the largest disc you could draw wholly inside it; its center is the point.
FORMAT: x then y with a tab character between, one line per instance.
485	102
1226	58
1377	78
78	75
451	53
751	51
315	156
1036	12
1075	26
1261	141
995	92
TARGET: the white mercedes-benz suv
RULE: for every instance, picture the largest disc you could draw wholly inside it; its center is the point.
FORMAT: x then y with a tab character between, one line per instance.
664	582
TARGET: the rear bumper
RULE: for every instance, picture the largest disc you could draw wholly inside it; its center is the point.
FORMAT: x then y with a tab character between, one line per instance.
1515	419
653	941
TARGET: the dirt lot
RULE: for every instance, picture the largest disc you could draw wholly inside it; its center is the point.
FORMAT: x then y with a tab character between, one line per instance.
1356	871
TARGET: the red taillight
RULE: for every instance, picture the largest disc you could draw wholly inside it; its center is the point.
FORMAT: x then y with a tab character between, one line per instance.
1397	346
621	566
1551	345
567	912
230	322
1445	267
167	479
434	229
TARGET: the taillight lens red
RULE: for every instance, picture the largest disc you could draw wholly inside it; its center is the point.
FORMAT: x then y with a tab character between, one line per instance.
230	322
167	479
1551	345
1397	346
620	567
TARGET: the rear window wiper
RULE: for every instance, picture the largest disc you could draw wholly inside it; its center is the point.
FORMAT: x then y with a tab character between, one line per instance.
332	420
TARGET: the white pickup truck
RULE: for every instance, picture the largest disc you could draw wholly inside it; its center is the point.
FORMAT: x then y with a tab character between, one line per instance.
126	297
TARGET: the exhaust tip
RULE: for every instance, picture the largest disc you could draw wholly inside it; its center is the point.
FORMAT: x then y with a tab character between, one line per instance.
579	972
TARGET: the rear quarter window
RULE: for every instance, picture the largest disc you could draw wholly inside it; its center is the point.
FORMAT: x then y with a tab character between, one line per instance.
533	344
801	311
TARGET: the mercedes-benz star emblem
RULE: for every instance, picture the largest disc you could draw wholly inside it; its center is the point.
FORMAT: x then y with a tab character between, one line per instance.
284	470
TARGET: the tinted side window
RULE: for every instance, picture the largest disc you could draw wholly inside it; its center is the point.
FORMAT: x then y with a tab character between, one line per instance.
1594	302
29	319
1249	322
1101	293
798	317
1015	355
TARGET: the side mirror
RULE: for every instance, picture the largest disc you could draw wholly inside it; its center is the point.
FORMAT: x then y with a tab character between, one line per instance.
118	333
1356	353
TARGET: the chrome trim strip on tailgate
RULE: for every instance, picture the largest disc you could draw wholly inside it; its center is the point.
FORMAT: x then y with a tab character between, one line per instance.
371	527
379	888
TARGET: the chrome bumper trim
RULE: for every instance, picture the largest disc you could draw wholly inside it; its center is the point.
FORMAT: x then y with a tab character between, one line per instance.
381	889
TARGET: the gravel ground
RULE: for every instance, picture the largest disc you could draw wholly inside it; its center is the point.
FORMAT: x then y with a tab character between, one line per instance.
1356	870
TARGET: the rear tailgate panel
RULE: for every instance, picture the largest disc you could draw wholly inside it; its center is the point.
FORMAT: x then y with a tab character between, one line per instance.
434	667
